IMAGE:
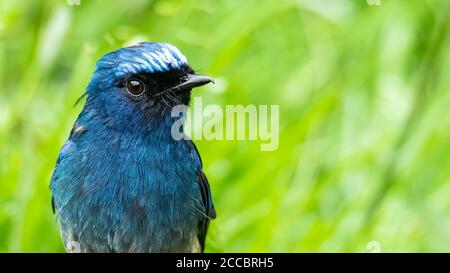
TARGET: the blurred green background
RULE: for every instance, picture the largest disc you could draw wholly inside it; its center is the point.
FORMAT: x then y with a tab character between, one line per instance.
364	156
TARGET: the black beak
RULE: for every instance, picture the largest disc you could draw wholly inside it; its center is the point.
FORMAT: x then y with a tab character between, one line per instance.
192	81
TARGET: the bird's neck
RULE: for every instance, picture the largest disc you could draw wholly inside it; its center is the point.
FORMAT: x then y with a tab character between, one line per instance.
157	123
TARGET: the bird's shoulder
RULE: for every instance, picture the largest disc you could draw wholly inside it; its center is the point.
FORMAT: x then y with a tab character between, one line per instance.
68	153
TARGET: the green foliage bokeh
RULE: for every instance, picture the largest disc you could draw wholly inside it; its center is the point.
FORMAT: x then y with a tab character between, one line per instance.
364	115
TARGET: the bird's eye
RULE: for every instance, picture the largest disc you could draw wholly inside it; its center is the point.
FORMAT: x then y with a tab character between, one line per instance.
135	87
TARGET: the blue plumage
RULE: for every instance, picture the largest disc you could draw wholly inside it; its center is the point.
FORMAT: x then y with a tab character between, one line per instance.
121	182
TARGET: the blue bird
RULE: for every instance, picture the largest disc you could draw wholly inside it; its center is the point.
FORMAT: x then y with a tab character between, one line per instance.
122	183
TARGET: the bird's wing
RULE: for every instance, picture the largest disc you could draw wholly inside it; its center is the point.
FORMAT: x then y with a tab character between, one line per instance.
65	150
208	204
210	212
53	205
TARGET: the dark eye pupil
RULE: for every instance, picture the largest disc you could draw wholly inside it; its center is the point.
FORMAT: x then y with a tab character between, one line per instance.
135	87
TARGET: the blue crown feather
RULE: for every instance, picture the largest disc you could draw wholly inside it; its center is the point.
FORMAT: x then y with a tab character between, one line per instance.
143	58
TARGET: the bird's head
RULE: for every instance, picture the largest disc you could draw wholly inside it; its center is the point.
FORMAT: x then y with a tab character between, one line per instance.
142	79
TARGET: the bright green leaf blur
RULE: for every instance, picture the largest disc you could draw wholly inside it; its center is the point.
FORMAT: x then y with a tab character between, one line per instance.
364	99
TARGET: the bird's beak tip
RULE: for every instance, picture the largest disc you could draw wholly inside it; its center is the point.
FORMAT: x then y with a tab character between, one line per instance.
192	81
196	80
